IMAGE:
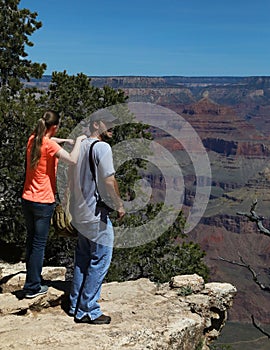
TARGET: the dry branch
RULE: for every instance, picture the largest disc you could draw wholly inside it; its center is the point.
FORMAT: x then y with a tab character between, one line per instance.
255	276
259	328
252	216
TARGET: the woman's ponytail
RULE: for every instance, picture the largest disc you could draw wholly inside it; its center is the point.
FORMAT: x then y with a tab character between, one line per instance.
49	119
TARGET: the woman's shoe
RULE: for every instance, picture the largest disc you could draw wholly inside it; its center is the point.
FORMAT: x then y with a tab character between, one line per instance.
31	294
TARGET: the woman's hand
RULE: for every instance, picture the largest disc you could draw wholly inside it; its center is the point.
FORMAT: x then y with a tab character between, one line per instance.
70	141
73	156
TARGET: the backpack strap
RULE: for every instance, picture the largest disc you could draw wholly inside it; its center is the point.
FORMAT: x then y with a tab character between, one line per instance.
92	165
91	160
103	208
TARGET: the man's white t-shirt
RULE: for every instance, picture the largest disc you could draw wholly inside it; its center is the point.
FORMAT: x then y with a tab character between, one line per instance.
83	189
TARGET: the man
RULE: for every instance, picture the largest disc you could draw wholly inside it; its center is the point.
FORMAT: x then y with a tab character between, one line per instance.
95	232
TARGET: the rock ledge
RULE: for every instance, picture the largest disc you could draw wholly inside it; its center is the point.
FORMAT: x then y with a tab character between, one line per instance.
183	314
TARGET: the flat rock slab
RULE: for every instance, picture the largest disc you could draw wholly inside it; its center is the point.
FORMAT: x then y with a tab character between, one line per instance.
11	304
144	316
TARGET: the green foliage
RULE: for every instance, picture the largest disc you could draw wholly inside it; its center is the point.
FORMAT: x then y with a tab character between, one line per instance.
184	291
17	116
160	259
60	252
132	137
17	111
75	98
199	346
16	25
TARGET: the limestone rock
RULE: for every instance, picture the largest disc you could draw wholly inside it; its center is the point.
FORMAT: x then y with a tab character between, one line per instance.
12	276
144	316
13	304
194	282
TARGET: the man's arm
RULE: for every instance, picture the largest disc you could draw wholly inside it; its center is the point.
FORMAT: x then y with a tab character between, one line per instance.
112	189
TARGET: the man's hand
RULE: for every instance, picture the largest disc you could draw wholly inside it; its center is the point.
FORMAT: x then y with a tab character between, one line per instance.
121	212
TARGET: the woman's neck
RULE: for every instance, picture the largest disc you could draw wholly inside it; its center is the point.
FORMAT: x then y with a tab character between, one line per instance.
50	132
48	135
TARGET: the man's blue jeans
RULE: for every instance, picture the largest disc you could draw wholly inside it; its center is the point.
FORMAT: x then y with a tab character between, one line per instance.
37	219
92	261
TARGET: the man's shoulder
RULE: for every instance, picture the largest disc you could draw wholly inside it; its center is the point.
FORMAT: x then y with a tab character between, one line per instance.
99	148
95	143
102	146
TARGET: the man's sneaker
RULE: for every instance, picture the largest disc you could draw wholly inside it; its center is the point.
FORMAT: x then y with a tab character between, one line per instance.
103	319
71	313
32	294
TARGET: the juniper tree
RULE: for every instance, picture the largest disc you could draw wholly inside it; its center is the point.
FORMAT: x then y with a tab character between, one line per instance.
16	27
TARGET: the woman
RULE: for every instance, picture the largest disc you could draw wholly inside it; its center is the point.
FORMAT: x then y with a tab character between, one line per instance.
38	198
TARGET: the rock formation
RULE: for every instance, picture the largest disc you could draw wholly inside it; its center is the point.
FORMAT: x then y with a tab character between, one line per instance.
184	314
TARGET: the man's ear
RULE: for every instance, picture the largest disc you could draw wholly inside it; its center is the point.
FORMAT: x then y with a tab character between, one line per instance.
96	125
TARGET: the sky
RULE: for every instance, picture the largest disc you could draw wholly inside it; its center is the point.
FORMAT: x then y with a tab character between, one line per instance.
152	37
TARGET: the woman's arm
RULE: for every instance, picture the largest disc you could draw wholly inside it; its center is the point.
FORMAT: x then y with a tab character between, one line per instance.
59	140
73	156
